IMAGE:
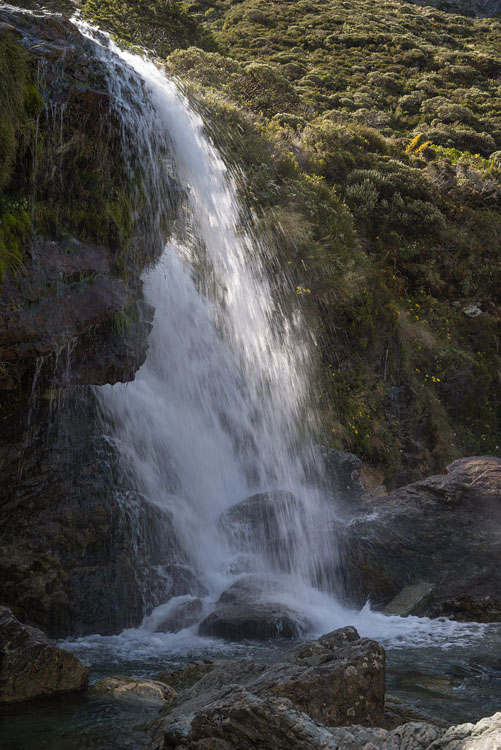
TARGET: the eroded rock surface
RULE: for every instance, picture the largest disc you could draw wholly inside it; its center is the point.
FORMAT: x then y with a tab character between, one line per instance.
80	549
327	693
134	689
31	665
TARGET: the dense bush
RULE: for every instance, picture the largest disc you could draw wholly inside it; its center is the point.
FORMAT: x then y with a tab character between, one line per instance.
365	132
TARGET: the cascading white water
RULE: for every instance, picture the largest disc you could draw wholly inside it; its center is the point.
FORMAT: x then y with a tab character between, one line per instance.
219	410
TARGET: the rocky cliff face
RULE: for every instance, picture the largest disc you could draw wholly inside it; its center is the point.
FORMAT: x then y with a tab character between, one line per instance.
72	315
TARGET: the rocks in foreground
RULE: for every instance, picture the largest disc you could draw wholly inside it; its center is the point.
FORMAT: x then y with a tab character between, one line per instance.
337	680
31	665
327	694
133	689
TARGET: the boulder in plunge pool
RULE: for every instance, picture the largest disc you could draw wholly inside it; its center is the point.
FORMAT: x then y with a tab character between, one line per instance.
31	665
246	611
182	616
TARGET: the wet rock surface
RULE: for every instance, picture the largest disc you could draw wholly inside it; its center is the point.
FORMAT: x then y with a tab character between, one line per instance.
335	680
444	530
31	665
247	611
182	616
299	702
250	524
79	546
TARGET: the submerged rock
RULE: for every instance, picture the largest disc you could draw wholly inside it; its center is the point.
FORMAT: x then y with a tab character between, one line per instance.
31	665
134	689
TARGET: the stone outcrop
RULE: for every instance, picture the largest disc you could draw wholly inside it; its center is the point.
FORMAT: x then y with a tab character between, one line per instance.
31	665
325	694
445	531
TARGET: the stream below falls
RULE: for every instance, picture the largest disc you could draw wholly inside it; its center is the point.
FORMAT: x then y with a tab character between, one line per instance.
448	671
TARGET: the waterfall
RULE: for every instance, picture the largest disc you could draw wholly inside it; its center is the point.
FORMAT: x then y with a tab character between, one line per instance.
219	411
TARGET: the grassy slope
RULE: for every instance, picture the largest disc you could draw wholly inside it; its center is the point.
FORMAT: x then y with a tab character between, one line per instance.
387	237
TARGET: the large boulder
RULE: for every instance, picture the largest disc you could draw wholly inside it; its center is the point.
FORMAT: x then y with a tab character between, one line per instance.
247	611
444	532
241	720
31	665
337	680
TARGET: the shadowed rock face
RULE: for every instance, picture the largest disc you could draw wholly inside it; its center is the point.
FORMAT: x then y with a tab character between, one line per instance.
31	665
444	530
80	550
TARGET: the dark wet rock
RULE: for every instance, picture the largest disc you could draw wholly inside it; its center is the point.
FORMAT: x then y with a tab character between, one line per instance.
133	689
182	616
342	473
411	600
250	588
247	611
186	677
257	621
250	524
31	665
80	550
97	556
444	530
242	720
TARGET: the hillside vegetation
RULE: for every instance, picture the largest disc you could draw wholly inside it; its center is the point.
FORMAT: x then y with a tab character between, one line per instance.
369	135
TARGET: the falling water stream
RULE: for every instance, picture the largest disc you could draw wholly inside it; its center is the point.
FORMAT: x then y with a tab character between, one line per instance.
219	411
